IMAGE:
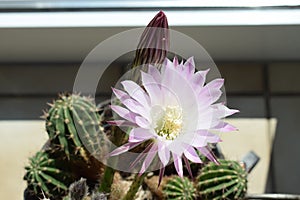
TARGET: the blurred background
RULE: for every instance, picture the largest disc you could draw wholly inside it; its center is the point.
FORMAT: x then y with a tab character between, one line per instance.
255	44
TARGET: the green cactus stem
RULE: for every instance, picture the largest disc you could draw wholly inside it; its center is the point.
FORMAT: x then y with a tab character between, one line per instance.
228	180
179	188
43	175
72	122
134	187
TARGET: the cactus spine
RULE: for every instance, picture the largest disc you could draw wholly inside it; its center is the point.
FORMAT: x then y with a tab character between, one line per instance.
42	174
180	188
72	122
228	180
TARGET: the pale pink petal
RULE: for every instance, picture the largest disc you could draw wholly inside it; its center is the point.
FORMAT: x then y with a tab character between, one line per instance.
121	123
222	111
150	156
139	134
210	137
124	113
164	155
175	61
136	92
152	88
167	63
192	155
178	164
126	147
142	122
224	127
189	67
207	153
211	92
209	95
199	78
203	137
137	108
188	166
161	174
140	156
153	71
215	84
120	94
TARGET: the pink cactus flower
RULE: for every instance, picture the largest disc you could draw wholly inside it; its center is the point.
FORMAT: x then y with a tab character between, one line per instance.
174	109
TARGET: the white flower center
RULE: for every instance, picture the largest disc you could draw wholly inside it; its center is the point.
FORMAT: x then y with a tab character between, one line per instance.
169	124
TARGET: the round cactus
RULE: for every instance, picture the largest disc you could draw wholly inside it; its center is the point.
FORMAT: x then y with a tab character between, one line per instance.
228	180
73	121
43	175
180	188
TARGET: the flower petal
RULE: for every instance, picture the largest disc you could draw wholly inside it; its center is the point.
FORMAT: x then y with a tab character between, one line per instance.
137	108
199	78
178	164
136	92
150	156
153	71
215	84
192	155
124	148
161	174
139	135
175	61
207	153
142	122
188	166
164	155
152	88
221	111
189	67
211	92
224	127
124	113
201	138
121	123
120	94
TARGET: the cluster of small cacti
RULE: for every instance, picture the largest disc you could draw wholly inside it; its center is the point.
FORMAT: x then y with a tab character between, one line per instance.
180	188
43	174
79	191
226	180
73	127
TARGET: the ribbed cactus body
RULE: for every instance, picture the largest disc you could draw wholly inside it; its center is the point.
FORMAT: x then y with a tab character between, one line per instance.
42	174
73	122
228	180
180	189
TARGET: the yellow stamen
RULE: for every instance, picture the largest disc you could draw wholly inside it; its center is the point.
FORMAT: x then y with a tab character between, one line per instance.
170	124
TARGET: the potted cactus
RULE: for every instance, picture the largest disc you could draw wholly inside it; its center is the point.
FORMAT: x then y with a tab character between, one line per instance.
67	167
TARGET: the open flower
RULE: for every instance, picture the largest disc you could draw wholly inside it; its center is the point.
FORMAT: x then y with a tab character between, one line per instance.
175	110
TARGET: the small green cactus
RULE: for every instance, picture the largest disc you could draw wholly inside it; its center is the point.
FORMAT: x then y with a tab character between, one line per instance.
73	121
228	180
180	188
43	175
